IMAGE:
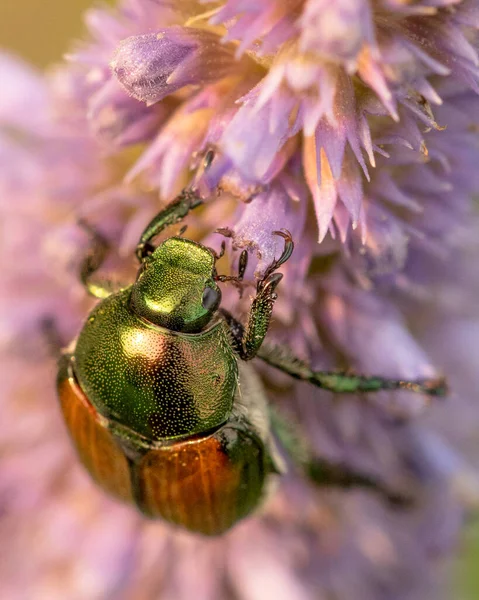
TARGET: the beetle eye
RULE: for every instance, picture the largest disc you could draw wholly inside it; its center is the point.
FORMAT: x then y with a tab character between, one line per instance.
211	298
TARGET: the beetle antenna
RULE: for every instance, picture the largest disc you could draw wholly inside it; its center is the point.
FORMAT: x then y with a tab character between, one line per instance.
239	284
242	264
221	253
225	232
237	280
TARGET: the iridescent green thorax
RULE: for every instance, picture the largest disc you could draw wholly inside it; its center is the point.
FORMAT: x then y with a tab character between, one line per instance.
175	287
158	383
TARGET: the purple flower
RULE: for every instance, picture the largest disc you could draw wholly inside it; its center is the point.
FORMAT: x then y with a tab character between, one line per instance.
354	123
119	120
155	65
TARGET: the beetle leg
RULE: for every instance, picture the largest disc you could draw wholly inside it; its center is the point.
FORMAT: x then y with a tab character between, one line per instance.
259	317
345	383
92	261
286	255
283	359
51	336
326	473
173	213
261	309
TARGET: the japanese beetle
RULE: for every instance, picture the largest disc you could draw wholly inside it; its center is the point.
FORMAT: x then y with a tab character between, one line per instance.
161	405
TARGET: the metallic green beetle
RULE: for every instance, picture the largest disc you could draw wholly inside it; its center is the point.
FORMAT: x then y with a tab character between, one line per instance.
159	399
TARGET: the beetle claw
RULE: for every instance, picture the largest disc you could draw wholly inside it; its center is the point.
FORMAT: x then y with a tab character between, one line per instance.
288	246
270	283
286	254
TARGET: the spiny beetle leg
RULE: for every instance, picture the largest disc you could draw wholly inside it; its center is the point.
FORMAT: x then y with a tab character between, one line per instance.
283	359
173	213
261	308
92	261
345	383
326	473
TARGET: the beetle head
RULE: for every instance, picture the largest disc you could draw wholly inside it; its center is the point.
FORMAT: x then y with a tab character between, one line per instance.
175	287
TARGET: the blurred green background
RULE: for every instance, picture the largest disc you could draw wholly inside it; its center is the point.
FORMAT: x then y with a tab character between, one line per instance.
40	31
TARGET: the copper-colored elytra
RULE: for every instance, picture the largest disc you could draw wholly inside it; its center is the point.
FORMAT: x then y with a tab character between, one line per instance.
95	445
193	484
202	490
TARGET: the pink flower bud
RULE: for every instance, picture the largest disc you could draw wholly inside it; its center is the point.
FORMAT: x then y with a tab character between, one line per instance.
154	65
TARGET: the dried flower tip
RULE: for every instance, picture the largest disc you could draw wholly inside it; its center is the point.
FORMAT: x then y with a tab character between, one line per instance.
154	65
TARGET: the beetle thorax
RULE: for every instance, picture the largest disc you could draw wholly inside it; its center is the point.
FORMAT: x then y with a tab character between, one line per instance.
173	284
154	381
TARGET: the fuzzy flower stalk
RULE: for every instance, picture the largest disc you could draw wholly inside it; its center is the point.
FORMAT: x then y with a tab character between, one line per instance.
352	124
